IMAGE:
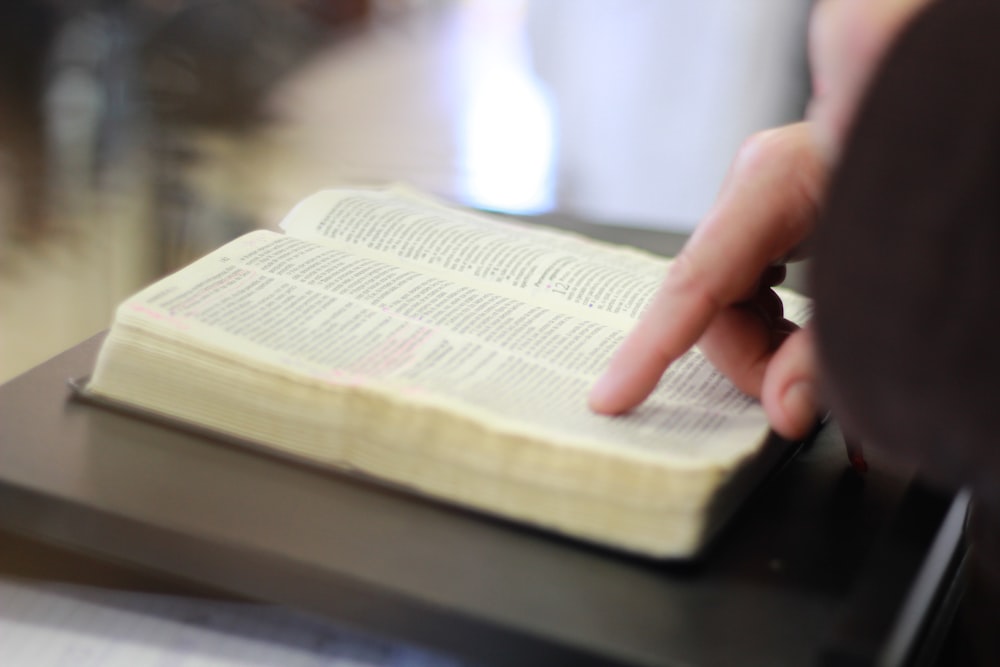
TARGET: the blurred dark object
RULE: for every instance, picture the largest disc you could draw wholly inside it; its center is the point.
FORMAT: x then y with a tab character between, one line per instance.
87	86
907	277
207	66
211	62
26	33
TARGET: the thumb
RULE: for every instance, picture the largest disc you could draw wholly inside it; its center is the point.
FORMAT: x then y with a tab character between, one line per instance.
789	391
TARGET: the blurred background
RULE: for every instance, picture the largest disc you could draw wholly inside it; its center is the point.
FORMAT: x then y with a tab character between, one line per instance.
136	135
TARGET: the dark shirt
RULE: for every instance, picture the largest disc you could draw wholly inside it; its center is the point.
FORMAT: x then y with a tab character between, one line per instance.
906	275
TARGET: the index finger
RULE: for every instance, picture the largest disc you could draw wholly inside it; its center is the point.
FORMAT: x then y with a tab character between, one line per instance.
767	207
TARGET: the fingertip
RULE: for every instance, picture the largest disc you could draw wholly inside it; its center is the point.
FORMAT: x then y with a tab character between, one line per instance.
797	410
605	396
790	390
620	389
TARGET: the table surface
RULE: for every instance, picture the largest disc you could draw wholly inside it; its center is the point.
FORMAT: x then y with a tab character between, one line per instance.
821	566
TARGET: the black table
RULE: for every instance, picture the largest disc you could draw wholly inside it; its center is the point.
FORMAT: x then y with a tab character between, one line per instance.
820	567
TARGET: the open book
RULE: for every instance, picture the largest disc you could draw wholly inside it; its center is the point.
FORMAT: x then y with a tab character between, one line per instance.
450	354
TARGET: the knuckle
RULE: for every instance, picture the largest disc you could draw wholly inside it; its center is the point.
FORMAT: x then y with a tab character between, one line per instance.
786	159
687	277
779	148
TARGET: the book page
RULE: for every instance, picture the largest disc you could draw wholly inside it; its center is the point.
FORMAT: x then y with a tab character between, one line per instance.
352	322
550	267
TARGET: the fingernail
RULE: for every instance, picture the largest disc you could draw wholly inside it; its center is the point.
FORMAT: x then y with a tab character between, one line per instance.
799	402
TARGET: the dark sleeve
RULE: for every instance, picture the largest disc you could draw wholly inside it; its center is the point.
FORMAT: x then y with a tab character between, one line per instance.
906	274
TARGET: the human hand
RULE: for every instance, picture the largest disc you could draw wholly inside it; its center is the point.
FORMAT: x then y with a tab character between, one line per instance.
718	291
